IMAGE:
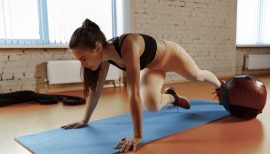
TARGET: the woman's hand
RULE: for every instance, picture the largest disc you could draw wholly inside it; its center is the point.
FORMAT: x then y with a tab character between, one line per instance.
79	124
128	144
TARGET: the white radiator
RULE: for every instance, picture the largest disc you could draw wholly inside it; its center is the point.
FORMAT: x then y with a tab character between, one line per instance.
63	71
257	61
69	71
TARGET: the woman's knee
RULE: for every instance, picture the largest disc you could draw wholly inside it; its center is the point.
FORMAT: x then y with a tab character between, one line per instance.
151	104
152	107
199	76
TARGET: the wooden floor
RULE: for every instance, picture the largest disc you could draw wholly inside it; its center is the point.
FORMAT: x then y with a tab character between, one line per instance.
228	136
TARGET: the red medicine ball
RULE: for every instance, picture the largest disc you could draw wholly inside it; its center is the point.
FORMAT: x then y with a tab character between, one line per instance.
244	96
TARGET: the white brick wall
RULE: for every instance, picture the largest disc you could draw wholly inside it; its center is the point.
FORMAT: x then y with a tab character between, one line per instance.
205	28
25	69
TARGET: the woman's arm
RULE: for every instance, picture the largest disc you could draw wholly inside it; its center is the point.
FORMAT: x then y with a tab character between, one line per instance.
92	100
94	96
131	57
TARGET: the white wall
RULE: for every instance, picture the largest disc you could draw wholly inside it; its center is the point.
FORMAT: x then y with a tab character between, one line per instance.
205	28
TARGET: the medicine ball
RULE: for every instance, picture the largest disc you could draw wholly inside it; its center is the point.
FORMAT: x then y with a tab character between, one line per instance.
243	96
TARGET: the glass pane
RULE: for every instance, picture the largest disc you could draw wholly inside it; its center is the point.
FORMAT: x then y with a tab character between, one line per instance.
247	21
2	19
266	22
65	16
19	19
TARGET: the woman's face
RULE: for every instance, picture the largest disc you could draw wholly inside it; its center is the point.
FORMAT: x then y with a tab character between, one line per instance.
89	58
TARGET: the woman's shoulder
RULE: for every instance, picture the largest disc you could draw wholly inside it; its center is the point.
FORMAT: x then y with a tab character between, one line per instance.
131	34
130	37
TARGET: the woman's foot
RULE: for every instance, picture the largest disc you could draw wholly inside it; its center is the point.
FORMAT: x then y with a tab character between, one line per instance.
179	100
219	91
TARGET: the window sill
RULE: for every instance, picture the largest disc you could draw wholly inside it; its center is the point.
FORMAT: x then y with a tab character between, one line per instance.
253	46
33	46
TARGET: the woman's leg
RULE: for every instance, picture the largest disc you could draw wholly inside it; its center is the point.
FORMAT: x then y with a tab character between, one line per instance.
191	71
151	84
180	62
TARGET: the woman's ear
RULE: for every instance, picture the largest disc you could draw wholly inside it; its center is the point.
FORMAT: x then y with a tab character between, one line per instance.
98	47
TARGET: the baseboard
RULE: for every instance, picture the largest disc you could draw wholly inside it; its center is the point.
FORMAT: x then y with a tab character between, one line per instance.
71	87
79	86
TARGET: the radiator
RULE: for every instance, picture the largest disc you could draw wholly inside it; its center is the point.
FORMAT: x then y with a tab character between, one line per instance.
69	71
63	71
257	61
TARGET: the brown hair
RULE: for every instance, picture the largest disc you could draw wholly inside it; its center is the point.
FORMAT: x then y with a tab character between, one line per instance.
85	37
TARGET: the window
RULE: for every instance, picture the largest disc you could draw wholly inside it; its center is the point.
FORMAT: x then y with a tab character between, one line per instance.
18	22
253	22
50	22
65	16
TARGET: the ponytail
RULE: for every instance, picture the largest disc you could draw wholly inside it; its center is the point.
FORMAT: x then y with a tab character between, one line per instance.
90	24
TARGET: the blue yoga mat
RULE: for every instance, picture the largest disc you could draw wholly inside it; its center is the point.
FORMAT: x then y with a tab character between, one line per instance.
102	135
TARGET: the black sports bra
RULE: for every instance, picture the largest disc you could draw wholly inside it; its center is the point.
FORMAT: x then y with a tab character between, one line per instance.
147	56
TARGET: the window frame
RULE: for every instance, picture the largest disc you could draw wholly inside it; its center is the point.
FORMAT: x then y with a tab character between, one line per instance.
44	42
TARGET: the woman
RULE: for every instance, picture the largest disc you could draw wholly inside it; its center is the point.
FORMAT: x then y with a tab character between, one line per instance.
145	60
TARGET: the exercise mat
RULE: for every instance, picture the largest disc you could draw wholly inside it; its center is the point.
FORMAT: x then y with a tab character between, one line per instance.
101	136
